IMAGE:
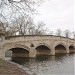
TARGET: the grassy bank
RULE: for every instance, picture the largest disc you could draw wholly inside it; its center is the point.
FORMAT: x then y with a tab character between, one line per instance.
7	68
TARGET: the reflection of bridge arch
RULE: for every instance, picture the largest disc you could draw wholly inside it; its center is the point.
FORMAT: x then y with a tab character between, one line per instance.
71	48
60	48
43	49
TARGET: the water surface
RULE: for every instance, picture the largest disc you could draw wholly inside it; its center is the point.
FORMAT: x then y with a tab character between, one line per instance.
49	65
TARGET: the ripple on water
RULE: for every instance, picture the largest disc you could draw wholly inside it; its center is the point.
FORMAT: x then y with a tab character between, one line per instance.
50	65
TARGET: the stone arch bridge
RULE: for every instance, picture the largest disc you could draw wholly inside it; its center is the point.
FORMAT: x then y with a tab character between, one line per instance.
32	45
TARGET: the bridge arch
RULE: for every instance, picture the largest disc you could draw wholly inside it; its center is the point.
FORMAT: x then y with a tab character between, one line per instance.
17	50
60	48
71	48
42	49
10	46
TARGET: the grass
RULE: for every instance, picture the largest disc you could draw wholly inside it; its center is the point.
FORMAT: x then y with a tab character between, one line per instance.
2	62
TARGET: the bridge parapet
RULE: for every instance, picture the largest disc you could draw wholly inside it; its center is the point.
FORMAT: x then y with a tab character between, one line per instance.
37	38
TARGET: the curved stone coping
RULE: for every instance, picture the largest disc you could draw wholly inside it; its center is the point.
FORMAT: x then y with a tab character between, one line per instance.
9	37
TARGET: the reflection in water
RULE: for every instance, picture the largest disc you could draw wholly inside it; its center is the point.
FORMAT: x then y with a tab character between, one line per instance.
49	65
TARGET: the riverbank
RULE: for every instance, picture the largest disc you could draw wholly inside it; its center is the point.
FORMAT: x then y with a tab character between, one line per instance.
7	68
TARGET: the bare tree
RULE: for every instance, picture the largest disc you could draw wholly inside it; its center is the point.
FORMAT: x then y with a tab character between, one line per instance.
39	29
26	27
58	32
21	25
67	33
13	9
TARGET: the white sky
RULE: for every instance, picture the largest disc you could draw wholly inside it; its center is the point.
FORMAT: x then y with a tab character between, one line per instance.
57	14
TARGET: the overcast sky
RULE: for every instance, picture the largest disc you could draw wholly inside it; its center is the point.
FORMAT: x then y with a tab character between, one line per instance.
57	14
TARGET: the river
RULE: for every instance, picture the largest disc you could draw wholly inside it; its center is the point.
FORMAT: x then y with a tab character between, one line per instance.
50	65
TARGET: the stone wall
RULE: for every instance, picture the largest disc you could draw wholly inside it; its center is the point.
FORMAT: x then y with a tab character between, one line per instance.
26	41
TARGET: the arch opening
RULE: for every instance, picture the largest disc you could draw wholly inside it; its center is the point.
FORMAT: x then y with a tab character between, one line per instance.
60	49
17	53
71	49
42	50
